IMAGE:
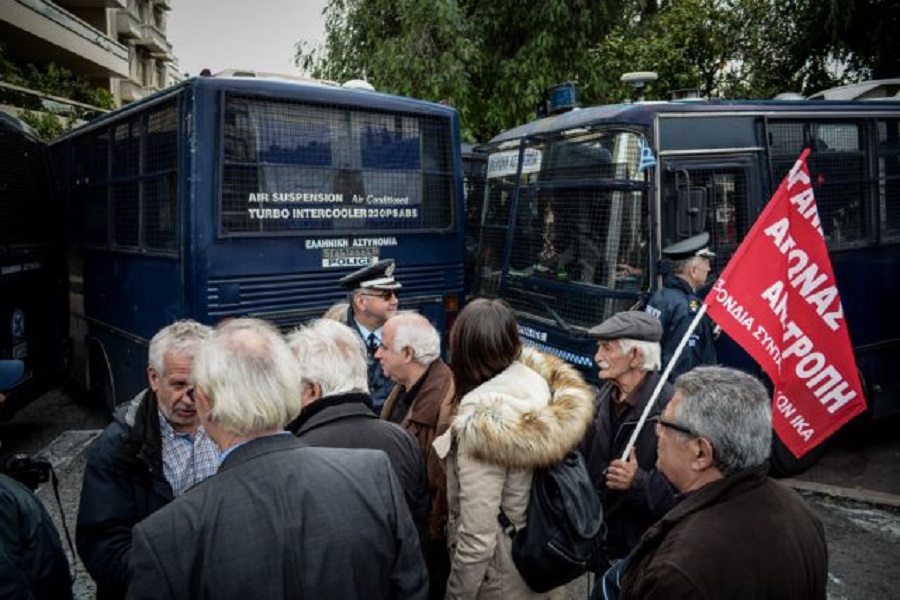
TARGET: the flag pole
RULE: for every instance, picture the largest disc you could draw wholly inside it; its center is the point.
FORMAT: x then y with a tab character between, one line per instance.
662	380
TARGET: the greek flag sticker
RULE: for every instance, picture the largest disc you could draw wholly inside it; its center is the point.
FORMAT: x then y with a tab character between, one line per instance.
647	158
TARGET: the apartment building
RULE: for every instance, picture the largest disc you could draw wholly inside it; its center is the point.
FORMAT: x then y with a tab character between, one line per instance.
119	45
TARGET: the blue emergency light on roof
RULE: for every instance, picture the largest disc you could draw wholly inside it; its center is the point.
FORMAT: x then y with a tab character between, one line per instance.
562	97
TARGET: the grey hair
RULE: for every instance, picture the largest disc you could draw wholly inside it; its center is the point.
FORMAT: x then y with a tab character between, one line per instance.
182	338
337	312
332	355
650	353
732	410
417	333
249	375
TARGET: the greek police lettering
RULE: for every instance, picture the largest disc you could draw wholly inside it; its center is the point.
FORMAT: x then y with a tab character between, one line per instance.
328	243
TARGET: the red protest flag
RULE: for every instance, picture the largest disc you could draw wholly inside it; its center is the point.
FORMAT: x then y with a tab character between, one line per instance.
778	299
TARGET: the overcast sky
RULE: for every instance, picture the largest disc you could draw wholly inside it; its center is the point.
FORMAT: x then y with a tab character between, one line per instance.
242	34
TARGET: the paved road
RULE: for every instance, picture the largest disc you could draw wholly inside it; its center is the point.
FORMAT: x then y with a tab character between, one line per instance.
863	538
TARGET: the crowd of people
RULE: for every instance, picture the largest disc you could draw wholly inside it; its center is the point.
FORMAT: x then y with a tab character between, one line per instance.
347	459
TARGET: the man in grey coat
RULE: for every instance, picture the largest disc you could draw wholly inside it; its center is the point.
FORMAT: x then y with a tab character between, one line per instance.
279	519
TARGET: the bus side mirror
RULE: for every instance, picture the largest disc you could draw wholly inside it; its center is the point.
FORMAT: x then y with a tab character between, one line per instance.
690	211
11	372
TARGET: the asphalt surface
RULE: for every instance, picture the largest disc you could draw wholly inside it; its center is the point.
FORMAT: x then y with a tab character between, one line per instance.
855	490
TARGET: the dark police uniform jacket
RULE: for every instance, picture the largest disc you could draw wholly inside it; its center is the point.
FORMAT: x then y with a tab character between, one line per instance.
676	305
380	385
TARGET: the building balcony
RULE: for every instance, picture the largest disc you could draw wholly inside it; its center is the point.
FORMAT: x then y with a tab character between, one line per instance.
77	4
128	26
130	91
39	31
154	41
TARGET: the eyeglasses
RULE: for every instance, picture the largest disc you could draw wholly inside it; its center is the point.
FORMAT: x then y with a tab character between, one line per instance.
384	295
660	422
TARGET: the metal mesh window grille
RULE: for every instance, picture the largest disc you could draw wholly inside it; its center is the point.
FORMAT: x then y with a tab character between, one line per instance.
159	182
578	248
723	197
123	180
28	212
294	167
888	164
840	178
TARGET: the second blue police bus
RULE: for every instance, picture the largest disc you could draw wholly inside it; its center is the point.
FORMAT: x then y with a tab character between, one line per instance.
578	205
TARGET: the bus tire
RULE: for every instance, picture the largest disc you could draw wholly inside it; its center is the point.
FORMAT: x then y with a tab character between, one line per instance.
785	464
101	388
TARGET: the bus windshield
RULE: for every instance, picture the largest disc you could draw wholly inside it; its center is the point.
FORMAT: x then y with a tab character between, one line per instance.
570	213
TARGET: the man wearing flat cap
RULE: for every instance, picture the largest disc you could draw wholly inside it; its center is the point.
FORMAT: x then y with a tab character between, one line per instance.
633	492
372	294
676	304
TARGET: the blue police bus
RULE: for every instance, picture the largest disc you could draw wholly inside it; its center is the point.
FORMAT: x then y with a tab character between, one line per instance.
33	289
243	196
578	205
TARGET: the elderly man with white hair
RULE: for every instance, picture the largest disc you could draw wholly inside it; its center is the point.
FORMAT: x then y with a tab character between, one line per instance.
410	354
634	493
280	519
331	360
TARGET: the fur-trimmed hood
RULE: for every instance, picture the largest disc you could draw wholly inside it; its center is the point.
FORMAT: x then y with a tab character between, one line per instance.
509	421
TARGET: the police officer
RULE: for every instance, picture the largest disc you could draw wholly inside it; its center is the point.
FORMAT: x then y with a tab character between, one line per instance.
372	293
676	304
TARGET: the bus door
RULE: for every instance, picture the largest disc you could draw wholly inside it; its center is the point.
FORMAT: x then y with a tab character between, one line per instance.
718	194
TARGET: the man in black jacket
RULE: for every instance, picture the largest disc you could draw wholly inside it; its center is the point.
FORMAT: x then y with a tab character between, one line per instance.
332	363
152	452
634	493
32	562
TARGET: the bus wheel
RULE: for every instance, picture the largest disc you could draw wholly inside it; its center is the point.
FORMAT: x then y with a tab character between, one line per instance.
101	389
785	464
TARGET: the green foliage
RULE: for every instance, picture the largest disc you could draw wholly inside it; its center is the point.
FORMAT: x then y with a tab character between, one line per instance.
495	60
47	125
54	80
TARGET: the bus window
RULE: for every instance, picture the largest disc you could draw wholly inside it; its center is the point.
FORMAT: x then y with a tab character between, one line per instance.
888	156
837	166
724	211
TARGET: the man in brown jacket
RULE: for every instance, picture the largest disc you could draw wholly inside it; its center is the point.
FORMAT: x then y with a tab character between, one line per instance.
410	356
737	533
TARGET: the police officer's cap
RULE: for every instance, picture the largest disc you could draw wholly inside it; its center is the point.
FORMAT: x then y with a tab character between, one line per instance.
379	276
693	246
632	324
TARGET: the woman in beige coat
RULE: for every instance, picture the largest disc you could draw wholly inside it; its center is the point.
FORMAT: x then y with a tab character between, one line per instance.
517	410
